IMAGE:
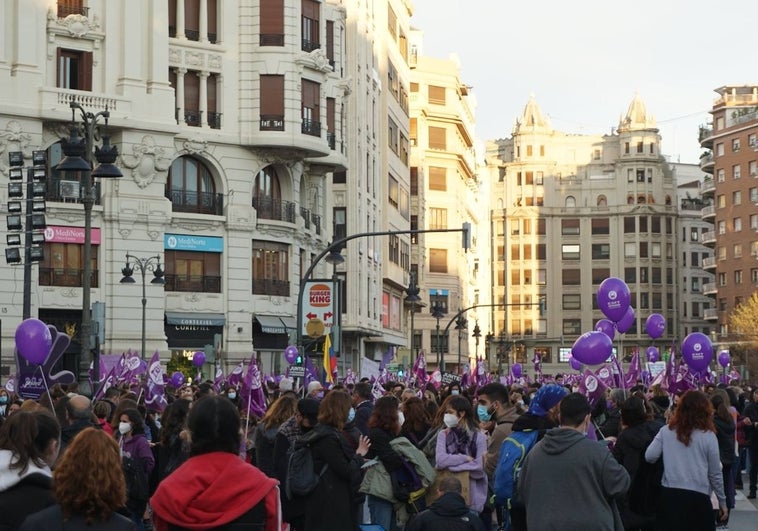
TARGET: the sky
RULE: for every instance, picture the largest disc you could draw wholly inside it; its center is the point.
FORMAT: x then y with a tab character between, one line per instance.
584	60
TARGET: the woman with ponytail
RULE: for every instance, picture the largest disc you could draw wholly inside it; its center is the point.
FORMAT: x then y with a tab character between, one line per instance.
29	444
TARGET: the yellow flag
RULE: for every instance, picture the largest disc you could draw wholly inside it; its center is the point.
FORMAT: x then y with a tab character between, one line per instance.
327	360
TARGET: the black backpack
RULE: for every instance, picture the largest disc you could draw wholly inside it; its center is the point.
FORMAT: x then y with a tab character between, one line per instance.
302	478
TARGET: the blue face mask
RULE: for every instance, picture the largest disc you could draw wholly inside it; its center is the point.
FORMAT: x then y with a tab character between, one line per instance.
351	415
3	399
483	414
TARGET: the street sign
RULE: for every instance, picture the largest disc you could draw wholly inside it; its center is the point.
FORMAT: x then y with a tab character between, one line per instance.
297	371
318	308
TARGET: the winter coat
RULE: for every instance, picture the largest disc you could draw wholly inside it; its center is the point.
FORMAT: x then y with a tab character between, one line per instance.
460	463
137	447
503	428
631	443
725	437
264	440
215	489
570	482
448	512
751	432
331	506
292	509
22	494
52	518
362	414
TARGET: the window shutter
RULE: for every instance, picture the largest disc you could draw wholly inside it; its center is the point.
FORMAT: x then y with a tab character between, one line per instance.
272	17
272	95
85	72
437	138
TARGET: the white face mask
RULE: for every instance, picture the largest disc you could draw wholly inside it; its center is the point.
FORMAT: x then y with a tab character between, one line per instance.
400	418
450	420
124	428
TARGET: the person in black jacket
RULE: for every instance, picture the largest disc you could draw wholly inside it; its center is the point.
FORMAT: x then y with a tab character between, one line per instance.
750	425
29	445
363	405
448	512
725	429
637	430
331	507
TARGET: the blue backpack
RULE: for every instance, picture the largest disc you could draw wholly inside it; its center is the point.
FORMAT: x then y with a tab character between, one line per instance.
512	454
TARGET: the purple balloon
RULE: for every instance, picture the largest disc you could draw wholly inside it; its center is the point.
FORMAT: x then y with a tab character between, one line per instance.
592	348
607	327
290	354
177	379
626	322
697	351
198	359
652	354
724	358
655	325
574	363
517	370
33	341
613	298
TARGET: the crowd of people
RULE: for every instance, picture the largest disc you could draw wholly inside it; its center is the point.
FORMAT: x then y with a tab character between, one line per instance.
409	458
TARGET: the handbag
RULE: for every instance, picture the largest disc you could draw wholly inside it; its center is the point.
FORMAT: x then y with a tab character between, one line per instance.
462	476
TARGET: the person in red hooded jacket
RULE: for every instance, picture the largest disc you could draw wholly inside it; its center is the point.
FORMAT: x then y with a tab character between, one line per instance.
215	487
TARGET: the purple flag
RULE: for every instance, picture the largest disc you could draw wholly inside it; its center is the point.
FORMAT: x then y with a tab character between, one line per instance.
235	377
734	376
634	372
350	377
386	358
592	387
311	372
110	380
419	368
155	395
252	390
377	390
10	385
218	381
537	361
436	379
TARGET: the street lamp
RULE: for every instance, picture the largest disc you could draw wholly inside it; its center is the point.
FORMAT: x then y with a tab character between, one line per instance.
412	298
78	155
460	324
152	265
438	312
477	334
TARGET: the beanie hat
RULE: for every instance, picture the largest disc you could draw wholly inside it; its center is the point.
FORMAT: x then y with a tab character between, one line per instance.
546	398
308	408
314	386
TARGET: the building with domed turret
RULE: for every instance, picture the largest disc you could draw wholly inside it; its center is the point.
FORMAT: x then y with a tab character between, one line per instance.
568	211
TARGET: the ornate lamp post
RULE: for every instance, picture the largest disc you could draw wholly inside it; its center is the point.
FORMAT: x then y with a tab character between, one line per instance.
477	334
460	324
79	159
412	299
438	312
152	265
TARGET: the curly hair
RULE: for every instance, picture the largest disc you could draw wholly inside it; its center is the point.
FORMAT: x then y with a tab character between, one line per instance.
88	480
280	411
416	415
384	415
174	420
693	412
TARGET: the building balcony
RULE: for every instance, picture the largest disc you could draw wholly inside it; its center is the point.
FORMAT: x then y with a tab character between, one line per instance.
708	188
272	122
710	314
197	202
706	162
708	213
69	278
274	209
710	288
200	284
294	137
709	263
311	127
267	286
708	238
705	137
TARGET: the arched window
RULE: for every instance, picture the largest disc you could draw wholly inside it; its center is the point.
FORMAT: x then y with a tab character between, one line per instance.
190	188
267	197
570	201
602	201
641	199
630	200
668	199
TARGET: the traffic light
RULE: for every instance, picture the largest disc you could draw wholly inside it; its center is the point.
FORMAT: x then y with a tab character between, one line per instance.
299	359
466	236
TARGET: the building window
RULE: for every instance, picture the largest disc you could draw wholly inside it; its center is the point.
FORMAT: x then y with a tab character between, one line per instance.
738	276
74	69
71	7
630	275
311	108
735	145
438	260
392	131
310	25
572	301
737	224
570	277
63	265
193	271
339	218
601	251
267	197
272	22
570	227
393	192
190	188
437	95
599	274
600	226
437	218
737	197
437	138
570	251
722	279
630	249
394	249
572	327
270	268
437	178
720	175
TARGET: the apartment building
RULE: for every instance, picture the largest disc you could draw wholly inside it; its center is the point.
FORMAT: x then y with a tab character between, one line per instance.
731	157
445	193
230	120
567	211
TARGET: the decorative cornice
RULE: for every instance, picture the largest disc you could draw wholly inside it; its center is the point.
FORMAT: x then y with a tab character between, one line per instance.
146	161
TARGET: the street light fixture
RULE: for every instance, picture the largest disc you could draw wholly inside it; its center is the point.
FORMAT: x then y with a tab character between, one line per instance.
461	324
152	265
477	334
78	157
412	298
438	312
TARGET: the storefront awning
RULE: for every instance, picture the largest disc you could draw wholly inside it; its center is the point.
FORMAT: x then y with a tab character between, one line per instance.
271	324
195	319
289	322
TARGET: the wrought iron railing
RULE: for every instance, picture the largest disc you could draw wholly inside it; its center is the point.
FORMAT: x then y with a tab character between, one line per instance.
309	46
197	202
311	127
214	120
70	278
306	215
272	122
266	286
193	118
275	209
197	283
71	7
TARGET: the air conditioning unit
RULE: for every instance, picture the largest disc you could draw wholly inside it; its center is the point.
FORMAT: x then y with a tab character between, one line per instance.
69	189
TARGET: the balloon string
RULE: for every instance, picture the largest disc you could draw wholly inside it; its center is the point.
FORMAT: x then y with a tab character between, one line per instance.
618	366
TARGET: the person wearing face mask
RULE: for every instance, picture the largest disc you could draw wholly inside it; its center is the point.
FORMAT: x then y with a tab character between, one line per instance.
29	446
566	452
493	407
4	402
138	456
461	447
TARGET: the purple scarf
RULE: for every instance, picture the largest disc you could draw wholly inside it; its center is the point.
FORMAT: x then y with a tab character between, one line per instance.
460	441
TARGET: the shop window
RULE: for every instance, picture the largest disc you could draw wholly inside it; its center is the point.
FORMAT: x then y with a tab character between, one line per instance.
270	268
193	271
